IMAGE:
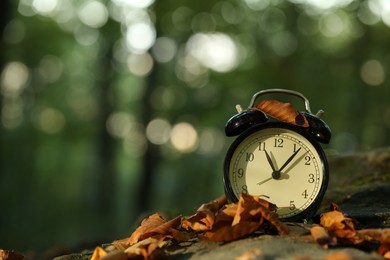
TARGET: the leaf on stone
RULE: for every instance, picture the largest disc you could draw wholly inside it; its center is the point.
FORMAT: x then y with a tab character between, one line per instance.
239	220
251	207
283	111
376	234
250	254
204	218
10	255
98	253
145	247
341	226
384	250
154	225
345	231
322	237
338	256
230	233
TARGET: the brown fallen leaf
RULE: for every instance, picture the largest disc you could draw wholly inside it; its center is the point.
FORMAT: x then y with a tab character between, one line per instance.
230	233
98	253
344	231
384	250
338	256
145	247
10	255
322	237
251	207
204	218
249	255
376	234
283	111
340	226
154	225
214	221
244	218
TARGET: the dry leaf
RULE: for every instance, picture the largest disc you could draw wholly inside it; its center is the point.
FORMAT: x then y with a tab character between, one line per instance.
250	254
322	237
163	229
147	225
10	255
98	253
239	220
344	230
215	220
154	225
204	218
250	207
283	111
338	256
145	247
333	220
384	250
382	235
230	233
115	255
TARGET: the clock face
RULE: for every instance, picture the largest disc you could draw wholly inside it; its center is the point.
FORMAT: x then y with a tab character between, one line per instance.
279	164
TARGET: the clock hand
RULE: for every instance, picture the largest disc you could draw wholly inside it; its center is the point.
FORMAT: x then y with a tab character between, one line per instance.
275	173
289	159
270	160
264	181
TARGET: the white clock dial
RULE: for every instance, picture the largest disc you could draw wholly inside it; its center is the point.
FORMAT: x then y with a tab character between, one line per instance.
279	165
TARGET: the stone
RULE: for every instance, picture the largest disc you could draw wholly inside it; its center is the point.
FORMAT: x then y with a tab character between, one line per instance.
359	184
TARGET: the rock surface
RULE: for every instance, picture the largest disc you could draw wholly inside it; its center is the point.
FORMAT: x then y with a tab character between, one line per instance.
359	184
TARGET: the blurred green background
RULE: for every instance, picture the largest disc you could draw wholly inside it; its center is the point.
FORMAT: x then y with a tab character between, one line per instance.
111	110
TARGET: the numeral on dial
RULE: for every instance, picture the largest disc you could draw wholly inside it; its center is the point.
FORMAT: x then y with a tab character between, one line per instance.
244	189
261	146
307	159
311	178
278	142
250	157
240	172
304	194
292	205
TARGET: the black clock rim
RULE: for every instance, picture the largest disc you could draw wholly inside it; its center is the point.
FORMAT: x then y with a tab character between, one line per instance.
311	210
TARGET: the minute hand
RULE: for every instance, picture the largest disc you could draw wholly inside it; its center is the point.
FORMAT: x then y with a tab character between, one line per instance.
289	160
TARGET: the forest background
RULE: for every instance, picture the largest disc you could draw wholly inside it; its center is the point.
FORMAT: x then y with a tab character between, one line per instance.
111	110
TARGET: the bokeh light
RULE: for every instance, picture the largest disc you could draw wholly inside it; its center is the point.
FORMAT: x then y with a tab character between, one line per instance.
119	124
14	32
211	141
93	14
44	6
158	131
49	120
14	78
140	37
372	73
164	49
140	64
50	68
216	51
134	3
184	137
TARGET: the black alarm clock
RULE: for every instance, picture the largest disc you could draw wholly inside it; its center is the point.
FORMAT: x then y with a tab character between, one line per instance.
280	162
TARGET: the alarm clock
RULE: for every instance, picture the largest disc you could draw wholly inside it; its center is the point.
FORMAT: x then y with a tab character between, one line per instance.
276	160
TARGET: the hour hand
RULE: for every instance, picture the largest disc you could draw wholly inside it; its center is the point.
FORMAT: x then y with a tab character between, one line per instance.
270	161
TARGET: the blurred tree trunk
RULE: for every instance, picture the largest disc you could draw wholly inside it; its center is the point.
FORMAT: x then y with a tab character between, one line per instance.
4	17
152	153
106	173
